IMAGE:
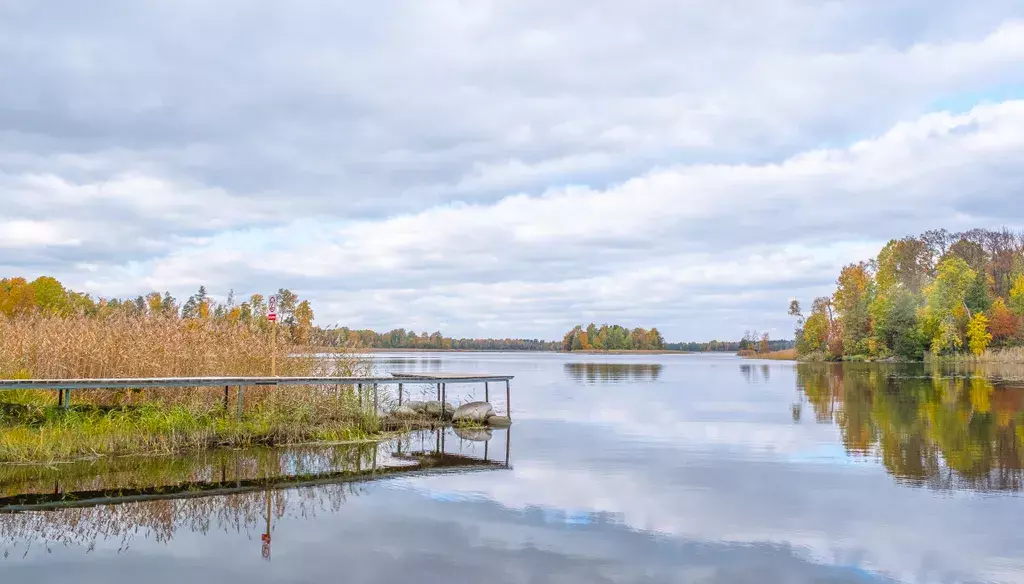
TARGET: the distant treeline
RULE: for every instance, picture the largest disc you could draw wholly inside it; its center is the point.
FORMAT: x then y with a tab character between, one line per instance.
403	339
729	346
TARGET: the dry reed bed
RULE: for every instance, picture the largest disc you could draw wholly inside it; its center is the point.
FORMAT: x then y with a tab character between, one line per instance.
162	420
783	355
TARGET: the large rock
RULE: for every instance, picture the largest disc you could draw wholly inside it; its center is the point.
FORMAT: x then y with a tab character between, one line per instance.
417	406
473	434
499	421
473	412
433	409
405	412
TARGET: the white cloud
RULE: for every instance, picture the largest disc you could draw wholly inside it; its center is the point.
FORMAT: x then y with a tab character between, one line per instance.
24	233
698	237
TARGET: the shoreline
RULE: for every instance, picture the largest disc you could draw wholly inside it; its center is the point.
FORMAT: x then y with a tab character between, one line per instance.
588	352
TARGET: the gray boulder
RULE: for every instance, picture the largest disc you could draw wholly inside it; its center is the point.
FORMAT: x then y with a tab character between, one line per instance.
405	412
473	434
499	421
417	406
433	409
474	412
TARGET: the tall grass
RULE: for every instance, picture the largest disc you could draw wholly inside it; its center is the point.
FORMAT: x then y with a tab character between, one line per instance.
125	346
782	355
160	420
1005	355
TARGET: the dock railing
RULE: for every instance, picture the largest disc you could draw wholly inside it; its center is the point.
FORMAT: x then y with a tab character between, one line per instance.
64	387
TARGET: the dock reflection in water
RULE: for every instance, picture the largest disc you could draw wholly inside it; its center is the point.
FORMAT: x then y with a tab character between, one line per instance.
612	372
946	430
242	491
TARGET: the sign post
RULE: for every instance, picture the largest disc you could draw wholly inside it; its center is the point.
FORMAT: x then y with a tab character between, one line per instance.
272	317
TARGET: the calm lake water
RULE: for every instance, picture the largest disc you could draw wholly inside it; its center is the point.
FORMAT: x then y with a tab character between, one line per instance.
639	468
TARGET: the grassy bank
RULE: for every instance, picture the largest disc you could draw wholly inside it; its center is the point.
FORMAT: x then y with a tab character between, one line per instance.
162	420
38	434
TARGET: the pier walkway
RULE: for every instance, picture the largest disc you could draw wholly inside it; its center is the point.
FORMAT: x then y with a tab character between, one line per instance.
64	387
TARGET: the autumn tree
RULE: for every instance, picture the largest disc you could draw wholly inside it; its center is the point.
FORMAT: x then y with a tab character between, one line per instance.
49	296
16	297
595	339
907	262
1016	299
978	335
303	323
1003	323
287	301
154	303
853	295
945	312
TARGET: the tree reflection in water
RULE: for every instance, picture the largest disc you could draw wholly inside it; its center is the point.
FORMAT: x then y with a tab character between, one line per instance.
612	372
944	428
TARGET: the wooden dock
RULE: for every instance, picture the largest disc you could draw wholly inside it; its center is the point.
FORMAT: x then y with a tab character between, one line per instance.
64	387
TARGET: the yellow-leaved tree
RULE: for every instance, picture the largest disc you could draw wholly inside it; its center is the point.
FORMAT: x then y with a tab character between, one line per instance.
945	310
303	323
1016	302
978	336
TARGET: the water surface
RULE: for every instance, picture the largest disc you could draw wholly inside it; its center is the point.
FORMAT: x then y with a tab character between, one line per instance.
619	468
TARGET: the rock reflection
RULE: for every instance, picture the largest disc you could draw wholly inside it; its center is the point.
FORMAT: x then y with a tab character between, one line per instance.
239	491
612	372
940	430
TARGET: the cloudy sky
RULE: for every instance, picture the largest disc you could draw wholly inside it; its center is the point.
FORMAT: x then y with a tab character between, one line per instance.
492	167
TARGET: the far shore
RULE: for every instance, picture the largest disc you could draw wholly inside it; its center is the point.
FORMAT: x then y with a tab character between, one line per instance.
589	352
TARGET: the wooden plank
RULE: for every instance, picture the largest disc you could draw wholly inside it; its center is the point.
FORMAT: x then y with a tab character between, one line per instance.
116	383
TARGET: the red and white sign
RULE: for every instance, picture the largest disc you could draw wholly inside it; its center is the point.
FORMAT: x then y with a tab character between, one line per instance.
272	315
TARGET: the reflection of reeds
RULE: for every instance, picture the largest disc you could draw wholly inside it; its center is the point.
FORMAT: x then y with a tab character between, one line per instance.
160	520
612	372
182	483
166	419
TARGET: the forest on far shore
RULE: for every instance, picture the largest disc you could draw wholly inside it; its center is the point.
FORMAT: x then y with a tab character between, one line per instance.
939	293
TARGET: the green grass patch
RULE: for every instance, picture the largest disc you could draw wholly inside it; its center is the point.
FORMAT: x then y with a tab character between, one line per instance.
34	433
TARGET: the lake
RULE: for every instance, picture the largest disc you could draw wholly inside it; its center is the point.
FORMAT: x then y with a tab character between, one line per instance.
618	468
